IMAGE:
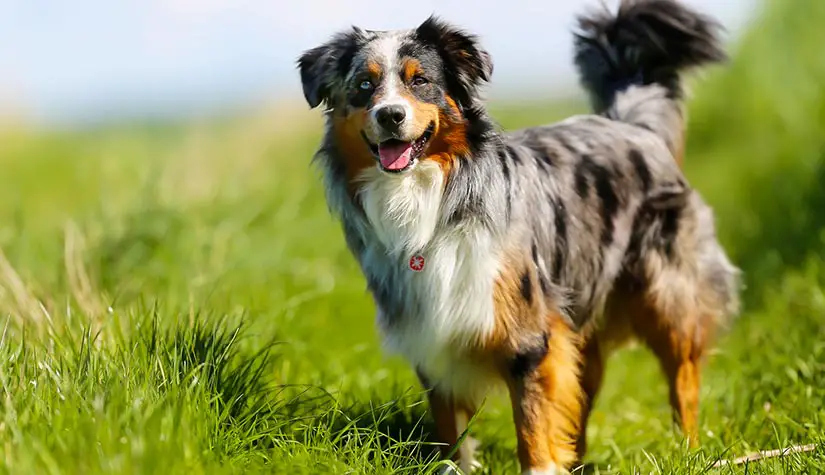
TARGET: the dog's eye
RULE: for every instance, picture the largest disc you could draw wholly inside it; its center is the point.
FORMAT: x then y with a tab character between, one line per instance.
419	81
365	85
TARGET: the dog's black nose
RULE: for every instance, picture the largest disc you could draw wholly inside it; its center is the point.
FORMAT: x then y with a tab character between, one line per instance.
390	117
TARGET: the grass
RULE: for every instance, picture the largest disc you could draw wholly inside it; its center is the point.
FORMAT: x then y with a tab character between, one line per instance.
177	299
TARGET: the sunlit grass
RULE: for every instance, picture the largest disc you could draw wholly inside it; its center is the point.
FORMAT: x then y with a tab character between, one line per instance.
177	299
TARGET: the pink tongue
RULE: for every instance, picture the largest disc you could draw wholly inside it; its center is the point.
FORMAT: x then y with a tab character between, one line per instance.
395	156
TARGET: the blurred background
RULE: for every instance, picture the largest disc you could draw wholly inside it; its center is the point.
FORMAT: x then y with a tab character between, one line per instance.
94	61
155	172
199	100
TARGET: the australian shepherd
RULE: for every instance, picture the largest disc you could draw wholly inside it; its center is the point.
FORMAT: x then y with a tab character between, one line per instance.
525	257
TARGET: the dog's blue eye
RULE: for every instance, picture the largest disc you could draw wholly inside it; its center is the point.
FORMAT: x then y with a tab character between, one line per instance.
365	85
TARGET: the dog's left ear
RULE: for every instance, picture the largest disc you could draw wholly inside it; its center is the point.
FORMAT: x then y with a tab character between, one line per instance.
324	66
466	64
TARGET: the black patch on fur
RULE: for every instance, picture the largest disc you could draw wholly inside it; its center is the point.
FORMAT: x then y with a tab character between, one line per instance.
353	238
473	204
413	49
529	357
669	195
508	180
424	379
505	163
561	138
545	286
610	204
640	167
551	158
639	230
560	220
322	66
670	229
581	174
527	287
359	98
513	154
466	64
602	182
480	129
540	163
544	157
637	234
382	294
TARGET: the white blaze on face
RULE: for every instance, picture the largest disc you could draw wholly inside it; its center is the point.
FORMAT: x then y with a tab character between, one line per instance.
385	53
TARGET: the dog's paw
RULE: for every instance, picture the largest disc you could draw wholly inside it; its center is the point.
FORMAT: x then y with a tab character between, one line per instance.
472	466
550	470
449	470
465	468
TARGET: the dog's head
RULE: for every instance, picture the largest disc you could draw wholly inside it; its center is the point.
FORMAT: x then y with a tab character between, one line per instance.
397	96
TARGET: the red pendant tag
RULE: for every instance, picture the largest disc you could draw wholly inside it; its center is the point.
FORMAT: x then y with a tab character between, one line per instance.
417	263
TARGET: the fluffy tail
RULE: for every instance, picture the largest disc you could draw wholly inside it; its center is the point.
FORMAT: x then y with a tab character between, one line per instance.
630	62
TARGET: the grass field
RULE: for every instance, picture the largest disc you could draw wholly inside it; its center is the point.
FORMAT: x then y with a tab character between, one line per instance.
177	299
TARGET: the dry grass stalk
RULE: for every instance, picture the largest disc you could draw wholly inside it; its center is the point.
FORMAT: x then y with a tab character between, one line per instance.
765	454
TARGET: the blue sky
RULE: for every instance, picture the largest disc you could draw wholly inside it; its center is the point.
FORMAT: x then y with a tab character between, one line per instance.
76	60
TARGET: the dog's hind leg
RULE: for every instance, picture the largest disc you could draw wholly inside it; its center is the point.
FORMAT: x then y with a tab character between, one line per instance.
679	351
677	338
688	293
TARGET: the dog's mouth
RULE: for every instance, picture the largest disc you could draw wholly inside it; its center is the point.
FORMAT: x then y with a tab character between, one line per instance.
396	156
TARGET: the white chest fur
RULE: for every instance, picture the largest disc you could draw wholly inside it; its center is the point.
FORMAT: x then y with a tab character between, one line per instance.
454	291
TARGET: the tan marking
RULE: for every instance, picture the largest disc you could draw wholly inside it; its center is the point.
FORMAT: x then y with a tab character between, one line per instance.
514	316
410	68
354	150
374	70
449	138
423	115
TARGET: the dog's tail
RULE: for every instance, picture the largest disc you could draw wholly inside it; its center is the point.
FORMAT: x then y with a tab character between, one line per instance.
630	62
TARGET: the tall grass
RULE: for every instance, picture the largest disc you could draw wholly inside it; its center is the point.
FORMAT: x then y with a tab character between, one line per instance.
177	299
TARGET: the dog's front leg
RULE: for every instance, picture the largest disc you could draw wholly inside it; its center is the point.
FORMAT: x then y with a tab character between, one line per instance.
546	400
451	419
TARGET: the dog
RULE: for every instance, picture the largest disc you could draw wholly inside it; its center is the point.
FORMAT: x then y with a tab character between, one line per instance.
526	257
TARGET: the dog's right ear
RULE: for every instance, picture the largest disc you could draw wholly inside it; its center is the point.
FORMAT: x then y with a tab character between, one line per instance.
324	66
